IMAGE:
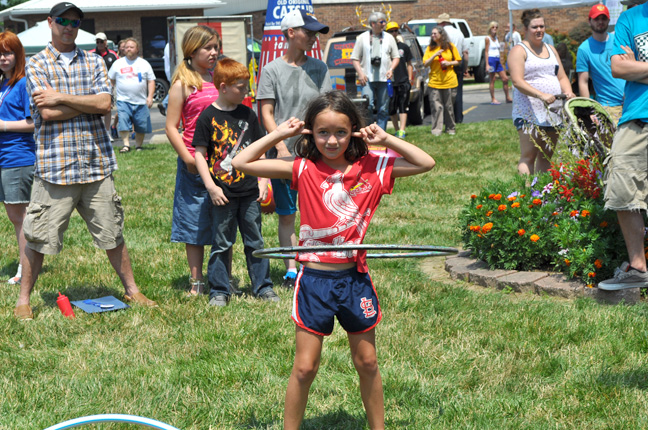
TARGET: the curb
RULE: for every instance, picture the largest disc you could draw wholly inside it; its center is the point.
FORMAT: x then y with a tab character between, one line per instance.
462	267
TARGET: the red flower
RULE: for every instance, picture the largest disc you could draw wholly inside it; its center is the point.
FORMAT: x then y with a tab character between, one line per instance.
573	213
591	274
598	263
501	208
604	224
479	206
537	202
521	232
473	196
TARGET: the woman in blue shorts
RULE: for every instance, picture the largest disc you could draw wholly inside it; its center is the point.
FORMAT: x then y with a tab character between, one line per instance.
17	148
494	64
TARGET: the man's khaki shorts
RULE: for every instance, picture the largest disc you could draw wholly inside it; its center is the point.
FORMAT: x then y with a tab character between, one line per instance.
626	174
614	112
51	206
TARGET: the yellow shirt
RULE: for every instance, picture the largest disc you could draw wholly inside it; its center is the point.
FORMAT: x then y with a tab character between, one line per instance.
439	78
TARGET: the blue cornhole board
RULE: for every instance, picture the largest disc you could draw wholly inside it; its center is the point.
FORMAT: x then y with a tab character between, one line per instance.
93	309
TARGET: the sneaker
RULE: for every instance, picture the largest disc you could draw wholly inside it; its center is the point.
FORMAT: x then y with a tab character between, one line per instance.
269	296
400	134
219	300
162	109
14	281
289	280
436	132
625	277
452	132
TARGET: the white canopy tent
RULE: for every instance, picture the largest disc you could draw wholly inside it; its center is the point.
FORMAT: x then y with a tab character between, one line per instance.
545	4
34	39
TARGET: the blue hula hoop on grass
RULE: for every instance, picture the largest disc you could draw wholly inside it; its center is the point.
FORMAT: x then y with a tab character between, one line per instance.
112	418
415	250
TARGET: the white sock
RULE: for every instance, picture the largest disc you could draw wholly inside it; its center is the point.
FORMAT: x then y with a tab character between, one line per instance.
19	272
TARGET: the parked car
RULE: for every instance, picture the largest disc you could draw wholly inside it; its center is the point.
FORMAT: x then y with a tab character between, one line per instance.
337	56
476	44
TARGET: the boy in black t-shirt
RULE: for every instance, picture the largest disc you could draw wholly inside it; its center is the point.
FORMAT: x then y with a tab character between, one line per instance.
223	129
399	103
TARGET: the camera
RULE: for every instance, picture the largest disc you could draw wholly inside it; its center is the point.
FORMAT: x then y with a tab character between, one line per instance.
375	61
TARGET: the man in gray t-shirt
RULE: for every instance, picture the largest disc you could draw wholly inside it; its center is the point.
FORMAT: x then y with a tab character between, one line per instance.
286	86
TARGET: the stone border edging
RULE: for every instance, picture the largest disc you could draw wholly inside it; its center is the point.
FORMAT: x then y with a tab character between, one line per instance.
462	267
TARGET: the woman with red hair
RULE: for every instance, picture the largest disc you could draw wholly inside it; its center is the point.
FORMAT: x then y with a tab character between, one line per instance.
17	147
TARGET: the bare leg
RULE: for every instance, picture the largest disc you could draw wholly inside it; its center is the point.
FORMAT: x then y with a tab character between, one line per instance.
543	161
505	85
491	87
394	120
308	351
363	352
632	227
528	154
287	236
16	214
125	136
139	139
195	258
403	121
31	268
120	261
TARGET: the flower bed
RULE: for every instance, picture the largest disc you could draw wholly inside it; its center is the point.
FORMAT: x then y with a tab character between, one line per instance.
556	222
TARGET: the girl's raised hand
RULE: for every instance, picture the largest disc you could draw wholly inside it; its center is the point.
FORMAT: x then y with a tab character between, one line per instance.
291	127
372	134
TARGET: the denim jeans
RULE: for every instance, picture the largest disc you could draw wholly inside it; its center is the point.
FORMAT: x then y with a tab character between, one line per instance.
378	99
244	213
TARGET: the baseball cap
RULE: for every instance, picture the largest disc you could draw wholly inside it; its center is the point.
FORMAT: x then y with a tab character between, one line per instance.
300	18
60	8
598	10
391	25
444	17
101	36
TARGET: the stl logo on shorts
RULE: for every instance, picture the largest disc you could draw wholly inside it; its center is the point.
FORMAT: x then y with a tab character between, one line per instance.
367	307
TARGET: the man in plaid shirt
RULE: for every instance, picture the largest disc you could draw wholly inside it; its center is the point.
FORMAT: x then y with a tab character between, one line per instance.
70	93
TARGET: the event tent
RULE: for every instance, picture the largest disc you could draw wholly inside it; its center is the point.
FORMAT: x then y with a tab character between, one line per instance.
34	39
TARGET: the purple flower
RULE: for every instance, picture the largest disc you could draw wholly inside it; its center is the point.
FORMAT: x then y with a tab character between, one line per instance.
513	194
547	188
536	193
535	181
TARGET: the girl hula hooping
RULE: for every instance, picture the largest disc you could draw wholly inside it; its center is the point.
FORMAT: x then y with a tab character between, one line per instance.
340	184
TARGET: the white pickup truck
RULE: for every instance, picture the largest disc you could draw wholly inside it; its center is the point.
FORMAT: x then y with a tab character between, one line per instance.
476	60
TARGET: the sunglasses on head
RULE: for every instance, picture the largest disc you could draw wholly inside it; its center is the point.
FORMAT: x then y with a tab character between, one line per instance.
64	22
382	22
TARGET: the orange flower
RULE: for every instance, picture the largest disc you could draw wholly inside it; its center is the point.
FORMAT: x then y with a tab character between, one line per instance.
473	196
598	263
497	197
604	224
501	208
475	228
530	206
567	262
591	274
491	196
487	227
537	202
489	213
534	238
521	232
523	196
585	213
555	214
590	286
573	213
479	206
515	205
512	198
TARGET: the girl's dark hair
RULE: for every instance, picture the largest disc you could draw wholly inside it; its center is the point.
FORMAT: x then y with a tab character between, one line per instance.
336	101
529	15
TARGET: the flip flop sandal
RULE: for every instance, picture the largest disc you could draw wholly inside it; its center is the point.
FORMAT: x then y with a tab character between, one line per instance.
124	150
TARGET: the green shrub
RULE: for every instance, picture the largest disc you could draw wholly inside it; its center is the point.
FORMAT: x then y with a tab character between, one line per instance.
557	221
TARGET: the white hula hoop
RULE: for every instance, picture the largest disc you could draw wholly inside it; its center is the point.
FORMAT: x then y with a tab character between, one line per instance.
414	250
112	418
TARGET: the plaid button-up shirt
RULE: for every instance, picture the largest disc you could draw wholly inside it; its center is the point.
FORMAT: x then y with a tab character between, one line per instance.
77	150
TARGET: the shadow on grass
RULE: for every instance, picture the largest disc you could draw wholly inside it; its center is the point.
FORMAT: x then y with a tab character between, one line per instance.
339	419
637	378
81	292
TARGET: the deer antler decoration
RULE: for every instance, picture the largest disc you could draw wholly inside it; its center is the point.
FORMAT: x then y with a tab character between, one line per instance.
358	11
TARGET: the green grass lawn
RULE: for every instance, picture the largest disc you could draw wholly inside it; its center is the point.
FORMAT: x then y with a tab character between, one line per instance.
451	355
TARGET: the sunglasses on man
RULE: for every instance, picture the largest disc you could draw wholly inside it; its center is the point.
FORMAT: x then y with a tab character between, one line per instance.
64	22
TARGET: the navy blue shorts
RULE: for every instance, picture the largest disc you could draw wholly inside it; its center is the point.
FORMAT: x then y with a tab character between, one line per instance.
321	295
